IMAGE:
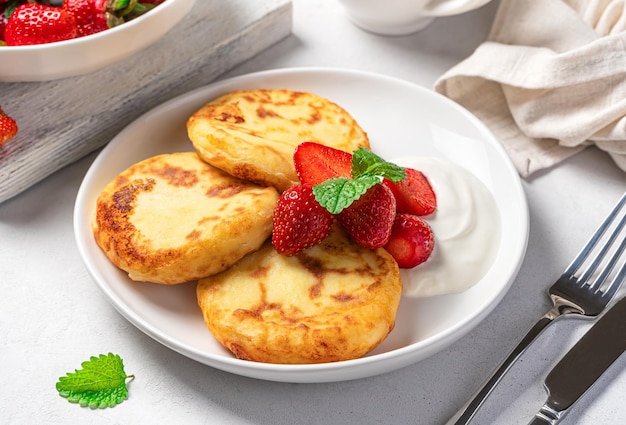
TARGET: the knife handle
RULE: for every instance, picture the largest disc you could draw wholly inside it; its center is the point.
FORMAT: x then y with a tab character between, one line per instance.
469	409
546	416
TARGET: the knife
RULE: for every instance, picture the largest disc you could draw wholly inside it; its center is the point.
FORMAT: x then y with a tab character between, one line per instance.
584	364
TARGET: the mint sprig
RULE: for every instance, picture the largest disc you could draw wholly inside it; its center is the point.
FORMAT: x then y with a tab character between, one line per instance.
368	169
367	163
100	383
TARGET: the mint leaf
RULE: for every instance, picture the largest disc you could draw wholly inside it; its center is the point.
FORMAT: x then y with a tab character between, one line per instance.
338	193
368	169
366	162
100	383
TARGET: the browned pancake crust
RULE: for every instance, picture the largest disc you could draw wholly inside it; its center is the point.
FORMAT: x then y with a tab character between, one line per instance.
335	301
174	218
253	134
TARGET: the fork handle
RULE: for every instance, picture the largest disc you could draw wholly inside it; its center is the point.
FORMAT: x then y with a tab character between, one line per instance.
469	409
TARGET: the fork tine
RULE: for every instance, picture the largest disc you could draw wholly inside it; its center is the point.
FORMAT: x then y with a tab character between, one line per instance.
598	259
591	244
616	283
609	267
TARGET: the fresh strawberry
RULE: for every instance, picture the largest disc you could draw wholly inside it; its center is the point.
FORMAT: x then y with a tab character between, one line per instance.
89	19
316	163
3	20
411	241
8	128
35	23
370	218
93	16
414	194
299	221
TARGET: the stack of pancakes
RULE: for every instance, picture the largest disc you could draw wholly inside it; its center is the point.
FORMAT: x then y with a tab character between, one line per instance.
207	216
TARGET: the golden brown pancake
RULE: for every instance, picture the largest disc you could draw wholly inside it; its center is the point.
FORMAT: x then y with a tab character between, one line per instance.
253	134
335	301
174	218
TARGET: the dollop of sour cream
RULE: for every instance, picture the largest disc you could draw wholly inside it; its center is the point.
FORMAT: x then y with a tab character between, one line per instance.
466	227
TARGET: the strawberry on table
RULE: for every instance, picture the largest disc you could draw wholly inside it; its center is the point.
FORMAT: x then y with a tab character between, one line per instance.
411	241
316	163
35	23
300	222
369	219
414	194
8	128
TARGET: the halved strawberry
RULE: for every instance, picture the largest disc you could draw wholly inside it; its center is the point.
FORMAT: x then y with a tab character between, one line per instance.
414	194
316	163
370	218
411	241
299	221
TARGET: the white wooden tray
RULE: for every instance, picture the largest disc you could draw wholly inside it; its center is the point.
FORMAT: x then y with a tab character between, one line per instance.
61	121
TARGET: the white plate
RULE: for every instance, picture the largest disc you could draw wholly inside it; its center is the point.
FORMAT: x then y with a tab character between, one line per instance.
43	62
400	119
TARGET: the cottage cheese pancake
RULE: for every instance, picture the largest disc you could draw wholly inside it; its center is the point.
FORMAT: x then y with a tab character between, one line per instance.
335	301
174	218
253	134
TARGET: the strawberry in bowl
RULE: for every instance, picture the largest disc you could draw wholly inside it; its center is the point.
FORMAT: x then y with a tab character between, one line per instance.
63	35
28	23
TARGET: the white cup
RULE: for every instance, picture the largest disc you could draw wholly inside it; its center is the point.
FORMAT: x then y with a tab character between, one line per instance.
400	17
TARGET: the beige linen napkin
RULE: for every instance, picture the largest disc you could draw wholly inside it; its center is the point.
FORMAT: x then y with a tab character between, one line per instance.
549	80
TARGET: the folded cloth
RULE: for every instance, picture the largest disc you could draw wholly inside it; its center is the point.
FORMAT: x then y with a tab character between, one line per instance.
549	80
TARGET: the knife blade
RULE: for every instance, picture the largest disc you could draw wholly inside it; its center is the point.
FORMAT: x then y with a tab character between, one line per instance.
581	367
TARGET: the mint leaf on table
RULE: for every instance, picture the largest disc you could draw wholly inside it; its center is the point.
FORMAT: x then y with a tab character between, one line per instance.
368	169
100	383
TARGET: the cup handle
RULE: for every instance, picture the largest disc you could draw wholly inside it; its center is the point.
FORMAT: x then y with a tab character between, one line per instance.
451	7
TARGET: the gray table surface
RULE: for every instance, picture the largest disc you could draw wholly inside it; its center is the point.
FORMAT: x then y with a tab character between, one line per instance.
52	315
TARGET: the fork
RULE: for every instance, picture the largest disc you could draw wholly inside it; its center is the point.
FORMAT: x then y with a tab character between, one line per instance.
581	290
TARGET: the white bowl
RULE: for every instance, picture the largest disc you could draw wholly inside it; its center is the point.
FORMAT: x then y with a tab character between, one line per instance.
82	55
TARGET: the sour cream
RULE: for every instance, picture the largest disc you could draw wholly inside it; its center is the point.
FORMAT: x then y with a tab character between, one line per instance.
466	227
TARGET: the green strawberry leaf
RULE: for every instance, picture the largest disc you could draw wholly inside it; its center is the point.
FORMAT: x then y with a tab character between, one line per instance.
366	162
100	383
339	193
10	7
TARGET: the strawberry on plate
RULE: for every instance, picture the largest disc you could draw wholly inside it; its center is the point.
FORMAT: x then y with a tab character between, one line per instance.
369	219
411	241
300	222
414	194
35	23
316	163
376	202
8	128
